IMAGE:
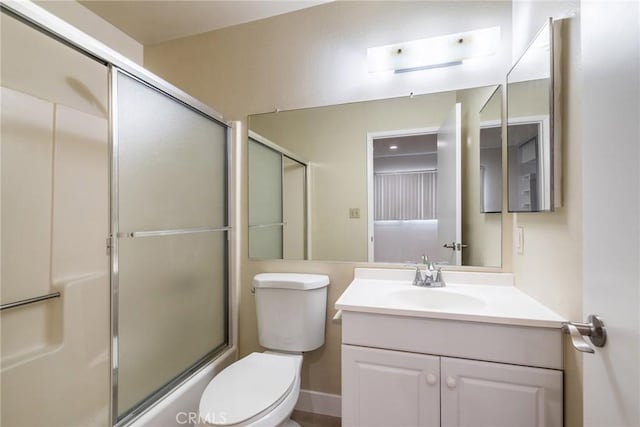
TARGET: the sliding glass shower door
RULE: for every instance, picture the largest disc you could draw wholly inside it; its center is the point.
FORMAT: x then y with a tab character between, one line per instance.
169	220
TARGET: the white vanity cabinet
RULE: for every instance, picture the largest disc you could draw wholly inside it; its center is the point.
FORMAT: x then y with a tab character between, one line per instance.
389	388
472	354
488	394
403	371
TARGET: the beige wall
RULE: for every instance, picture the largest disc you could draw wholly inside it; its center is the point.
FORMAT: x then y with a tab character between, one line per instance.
82	18
481	231
317	57
550	269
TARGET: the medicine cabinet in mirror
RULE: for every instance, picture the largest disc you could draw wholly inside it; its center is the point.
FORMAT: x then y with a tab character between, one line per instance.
531	150
491	154
387	181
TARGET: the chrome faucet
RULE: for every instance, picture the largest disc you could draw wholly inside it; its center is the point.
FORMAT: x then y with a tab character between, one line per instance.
432	275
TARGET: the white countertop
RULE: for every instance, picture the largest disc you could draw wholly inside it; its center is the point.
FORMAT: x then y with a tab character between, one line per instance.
467	297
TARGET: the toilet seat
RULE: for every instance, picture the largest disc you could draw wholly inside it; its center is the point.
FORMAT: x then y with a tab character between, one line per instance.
248	388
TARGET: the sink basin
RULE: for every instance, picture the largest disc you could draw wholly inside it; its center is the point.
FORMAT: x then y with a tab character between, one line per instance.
434	299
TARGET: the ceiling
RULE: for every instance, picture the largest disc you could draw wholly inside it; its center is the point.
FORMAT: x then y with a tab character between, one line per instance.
152	21
406	145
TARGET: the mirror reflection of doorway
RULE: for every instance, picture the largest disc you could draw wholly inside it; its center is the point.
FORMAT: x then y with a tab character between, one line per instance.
405	170
525	167
415	188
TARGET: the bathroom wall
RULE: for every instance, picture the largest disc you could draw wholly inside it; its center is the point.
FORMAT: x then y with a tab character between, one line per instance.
550	268
85	20
316	57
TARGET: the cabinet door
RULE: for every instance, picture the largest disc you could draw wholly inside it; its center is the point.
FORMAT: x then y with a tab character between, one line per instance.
483	394
389	388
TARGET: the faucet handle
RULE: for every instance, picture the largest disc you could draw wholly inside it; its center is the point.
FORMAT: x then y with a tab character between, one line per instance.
417	279
438	280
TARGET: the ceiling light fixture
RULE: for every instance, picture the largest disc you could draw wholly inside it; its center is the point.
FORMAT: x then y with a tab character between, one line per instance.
393	147
442	51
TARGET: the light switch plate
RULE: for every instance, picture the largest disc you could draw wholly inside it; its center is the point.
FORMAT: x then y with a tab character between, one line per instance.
519	240
354	213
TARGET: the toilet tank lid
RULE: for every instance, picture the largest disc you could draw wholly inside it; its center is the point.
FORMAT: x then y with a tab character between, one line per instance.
297	281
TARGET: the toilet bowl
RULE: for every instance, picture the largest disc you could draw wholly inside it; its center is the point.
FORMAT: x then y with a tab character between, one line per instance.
262	389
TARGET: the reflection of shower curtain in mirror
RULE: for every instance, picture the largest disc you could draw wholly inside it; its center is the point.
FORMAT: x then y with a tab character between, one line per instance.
405	225
405	195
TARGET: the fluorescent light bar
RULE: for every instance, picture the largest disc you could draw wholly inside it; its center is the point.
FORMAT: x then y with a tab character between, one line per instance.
434	52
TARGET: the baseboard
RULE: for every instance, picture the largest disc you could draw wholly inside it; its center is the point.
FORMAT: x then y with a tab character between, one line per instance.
320	403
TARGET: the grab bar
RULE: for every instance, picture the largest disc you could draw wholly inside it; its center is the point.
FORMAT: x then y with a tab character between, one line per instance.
134	234
29	301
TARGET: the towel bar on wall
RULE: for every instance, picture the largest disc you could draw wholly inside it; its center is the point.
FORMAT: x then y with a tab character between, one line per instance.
29	301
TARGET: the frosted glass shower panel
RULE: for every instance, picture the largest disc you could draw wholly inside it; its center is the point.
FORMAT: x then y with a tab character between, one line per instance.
172	252
172	159
172	309
265	202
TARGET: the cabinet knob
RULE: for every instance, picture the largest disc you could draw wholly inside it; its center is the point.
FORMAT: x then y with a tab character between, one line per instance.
451	382
432	379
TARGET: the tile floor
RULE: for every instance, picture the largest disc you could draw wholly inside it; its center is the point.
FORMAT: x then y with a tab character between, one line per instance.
307	419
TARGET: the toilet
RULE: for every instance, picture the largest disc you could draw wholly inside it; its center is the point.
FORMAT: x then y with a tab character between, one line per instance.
262	389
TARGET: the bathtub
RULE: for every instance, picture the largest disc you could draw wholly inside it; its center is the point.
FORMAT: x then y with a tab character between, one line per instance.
179	408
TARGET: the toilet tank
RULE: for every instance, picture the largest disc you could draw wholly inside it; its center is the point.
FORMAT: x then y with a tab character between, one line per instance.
291	310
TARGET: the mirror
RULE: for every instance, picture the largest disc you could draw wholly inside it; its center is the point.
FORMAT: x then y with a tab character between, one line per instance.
277	201
387	181
491	154
529	133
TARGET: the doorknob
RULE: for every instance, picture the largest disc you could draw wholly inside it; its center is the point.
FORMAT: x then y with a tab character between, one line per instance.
455	246
594	329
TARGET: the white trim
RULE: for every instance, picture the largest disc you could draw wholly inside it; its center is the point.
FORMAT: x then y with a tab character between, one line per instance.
371	136
317	402
265	141
491	124
235	218
308	211
458	253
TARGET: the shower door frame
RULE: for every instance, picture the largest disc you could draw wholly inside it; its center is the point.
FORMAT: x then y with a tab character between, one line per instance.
52	26
113	246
